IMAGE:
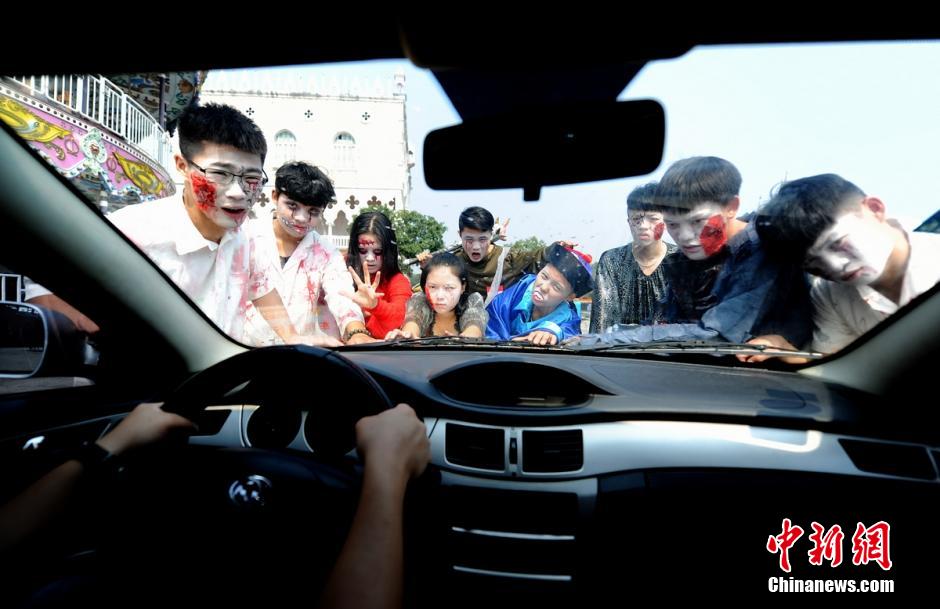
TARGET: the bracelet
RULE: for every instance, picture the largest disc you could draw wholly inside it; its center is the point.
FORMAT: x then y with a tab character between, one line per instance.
93	457
349	334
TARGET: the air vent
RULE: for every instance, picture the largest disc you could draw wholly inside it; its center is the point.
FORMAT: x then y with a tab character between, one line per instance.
890	459
552	451
479	447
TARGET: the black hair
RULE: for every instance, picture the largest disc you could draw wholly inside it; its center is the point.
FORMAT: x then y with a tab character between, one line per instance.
696	180
378	224
642	197
304	183
219	124
448	260
801	210
475	218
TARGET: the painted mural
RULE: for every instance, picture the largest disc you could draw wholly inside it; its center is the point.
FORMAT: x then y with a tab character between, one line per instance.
99	164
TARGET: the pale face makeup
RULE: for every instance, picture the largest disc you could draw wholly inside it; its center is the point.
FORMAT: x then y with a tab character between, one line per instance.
549	289
700	233
296	219
646	227
370	250
476	243
443	289
855	250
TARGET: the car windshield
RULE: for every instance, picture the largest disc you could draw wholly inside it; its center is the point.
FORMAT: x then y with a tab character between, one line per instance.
290	204
536	303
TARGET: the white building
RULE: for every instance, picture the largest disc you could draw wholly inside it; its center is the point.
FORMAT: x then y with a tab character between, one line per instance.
354	130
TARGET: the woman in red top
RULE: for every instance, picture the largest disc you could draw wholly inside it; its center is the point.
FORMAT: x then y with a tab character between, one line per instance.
372	258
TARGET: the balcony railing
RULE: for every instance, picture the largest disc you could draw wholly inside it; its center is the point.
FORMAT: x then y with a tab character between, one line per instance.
100	100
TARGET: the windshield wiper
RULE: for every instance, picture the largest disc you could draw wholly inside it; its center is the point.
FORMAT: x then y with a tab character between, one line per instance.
698	346
462	341
426	341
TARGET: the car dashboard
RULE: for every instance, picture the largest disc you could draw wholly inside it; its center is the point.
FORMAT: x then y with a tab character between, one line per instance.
560	473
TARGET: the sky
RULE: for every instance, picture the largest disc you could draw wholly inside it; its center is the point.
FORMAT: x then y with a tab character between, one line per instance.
868	112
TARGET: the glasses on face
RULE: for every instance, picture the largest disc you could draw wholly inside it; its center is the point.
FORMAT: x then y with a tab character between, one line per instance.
250	181
640	219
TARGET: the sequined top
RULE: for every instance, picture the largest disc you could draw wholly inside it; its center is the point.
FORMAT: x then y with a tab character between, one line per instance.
622	293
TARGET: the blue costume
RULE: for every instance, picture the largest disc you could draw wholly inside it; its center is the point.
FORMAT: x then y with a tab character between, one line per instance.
511	314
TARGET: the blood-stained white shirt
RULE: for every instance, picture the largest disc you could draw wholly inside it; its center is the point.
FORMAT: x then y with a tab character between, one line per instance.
315	272
221	278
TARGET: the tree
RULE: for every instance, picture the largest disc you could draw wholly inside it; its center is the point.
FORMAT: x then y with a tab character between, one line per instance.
528	245
415	231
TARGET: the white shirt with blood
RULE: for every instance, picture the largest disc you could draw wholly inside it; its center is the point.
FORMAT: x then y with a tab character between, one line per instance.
221	278
314	269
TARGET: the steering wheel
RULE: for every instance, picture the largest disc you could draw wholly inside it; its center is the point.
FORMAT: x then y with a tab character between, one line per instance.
176	512
206	505
335	391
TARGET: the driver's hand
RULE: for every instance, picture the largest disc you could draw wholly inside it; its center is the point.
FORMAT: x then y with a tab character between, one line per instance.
394	444
146	424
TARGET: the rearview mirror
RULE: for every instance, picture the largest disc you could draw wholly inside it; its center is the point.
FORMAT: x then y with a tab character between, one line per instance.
539	147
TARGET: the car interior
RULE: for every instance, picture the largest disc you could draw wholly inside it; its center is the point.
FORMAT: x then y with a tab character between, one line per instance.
557	477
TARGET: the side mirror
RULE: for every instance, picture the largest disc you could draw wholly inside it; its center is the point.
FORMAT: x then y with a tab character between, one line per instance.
23	336
36	341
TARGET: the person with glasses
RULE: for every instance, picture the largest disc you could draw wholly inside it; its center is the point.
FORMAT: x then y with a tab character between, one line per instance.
311	276
540	308
195	237
629	280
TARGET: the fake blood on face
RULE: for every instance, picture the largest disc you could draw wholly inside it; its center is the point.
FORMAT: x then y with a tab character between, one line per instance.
713	236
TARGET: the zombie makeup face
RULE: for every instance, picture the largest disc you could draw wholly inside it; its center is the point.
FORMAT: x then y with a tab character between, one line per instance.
370	250
224	183
443	289
549	289
702	232
855	250
647	227
476	243
296	219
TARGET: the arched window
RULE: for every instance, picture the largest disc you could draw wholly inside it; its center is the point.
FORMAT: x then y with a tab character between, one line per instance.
344	149
285	148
